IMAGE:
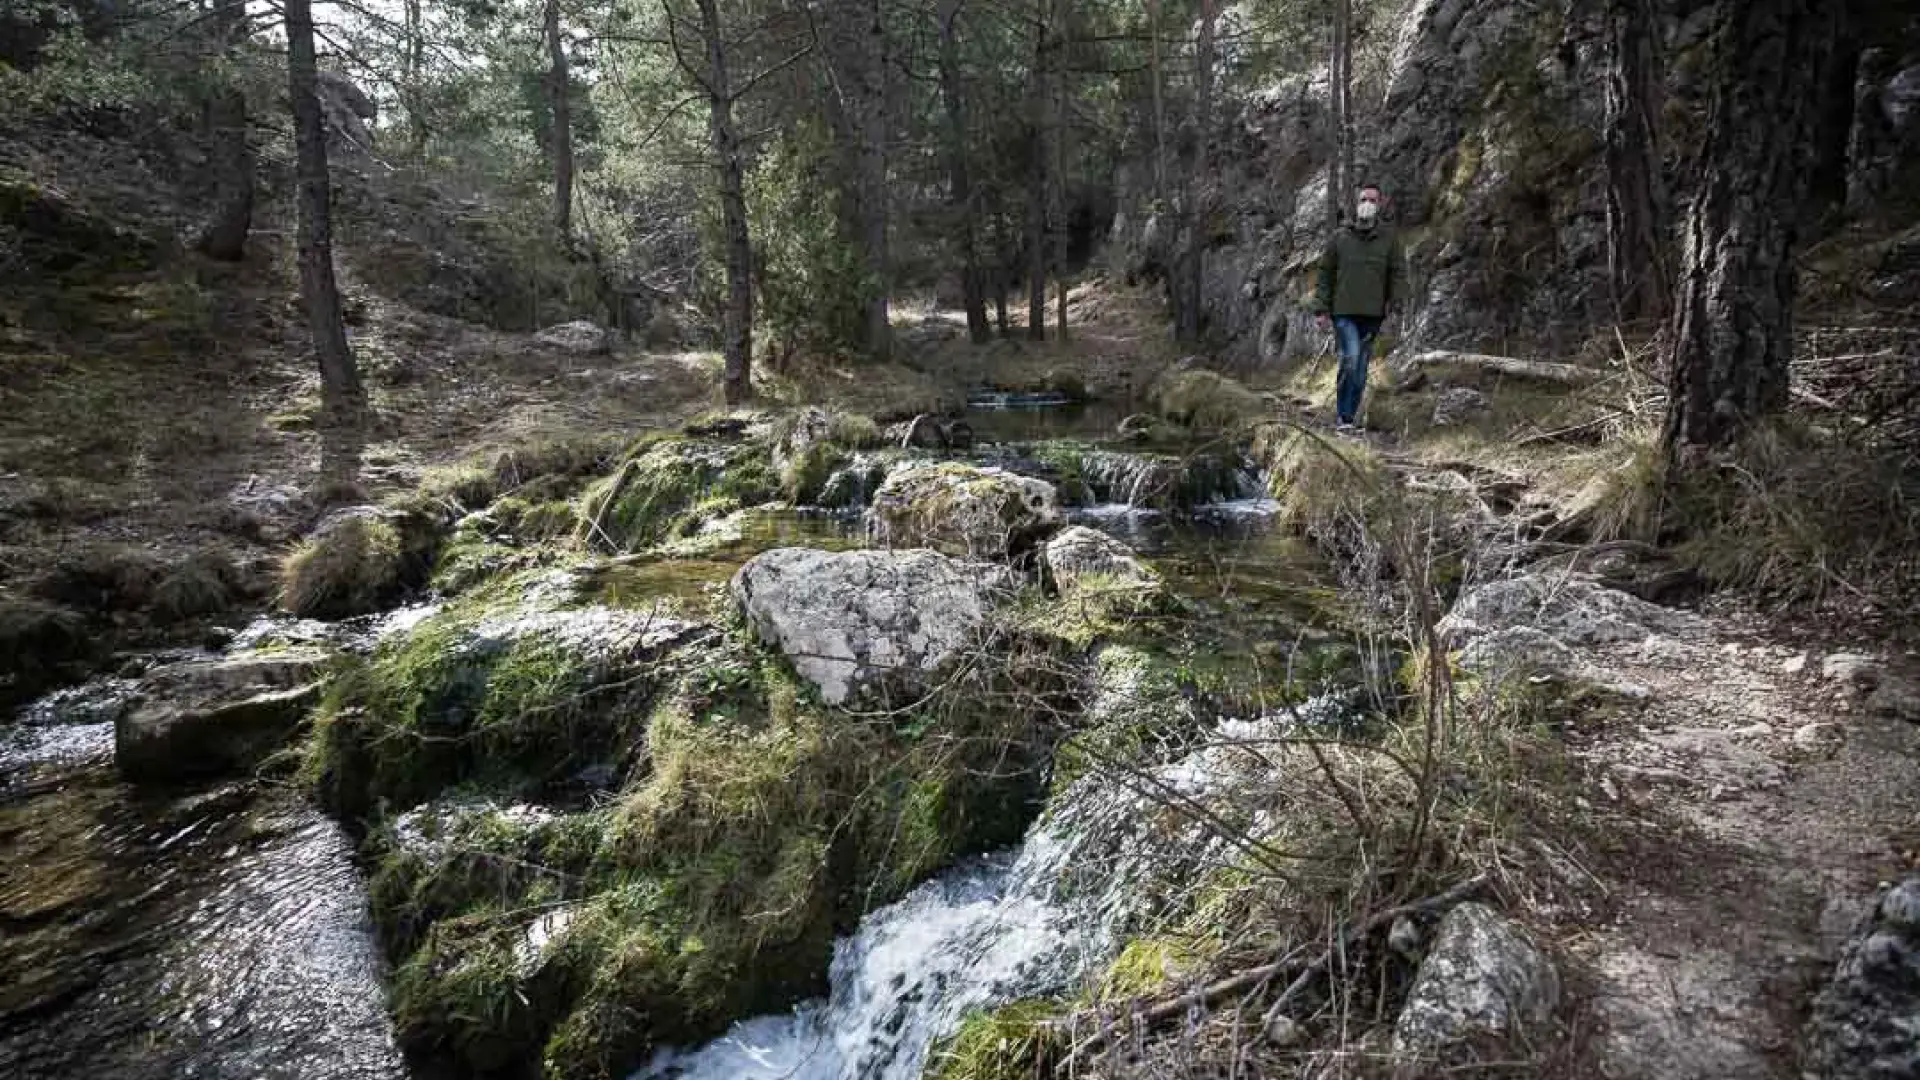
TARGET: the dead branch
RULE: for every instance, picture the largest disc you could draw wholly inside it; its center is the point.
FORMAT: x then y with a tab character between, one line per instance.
1304	974
1540	370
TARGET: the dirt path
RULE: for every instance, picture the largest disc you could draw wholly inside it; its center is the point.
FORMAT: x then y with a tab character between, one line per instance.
1772	806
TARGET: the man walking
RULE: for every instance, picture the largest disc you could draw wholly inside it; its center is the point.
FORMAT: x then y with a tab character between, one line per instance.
1362	276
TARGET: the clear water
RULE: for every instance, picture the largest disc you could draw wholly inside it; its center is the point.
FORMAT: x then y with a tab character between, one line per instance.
221	934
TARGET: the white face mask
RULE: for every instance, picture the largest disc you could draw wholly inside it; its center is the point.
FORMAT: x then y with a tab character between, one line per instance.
1367	212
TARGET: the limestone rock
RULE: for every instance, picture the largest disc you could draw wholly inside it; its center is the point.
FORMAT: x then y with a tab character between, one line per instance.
962	509
1458	406
1864	1020
1573	611
1858	670
853	621
1078	552
582	337
1482	982
208	717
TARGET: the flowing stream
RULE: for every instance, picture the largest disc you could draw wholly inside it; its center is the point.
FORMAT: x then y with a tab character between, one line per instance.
994	930
224	933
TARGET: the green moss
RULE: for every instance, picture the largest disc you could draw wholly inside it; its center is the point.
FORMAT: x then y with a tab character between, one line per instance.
1205	400
671	486
710	887
1013	1042
807	473
353	568
1146	965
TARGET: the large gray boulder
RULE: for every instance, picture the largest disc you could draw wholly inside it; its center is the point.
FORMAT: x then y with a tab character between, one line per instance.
1483	986
205	718
855	621
1866	1022
1574	610
962	510
1078	553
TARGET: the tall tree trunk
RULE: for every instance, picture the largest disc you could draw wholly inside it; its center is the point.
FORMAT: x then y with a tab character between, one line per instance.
960	178
224	236
1159	103
341	395
414	70
1057	136
1636	229
559	89
737	344
1340	86
1188	281
1733	318
1037	181
856	47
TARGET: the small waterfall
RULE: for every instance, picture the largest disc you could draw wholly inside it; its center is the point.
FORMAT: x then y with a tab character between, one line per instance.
1110	856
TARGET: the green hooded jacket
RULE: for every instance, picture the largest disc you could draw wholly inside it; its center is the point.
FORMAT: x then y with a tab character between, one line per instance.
1361	273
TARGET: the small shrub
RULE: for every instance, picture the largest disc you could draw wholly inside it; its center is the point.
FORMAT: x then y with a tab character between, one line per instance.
205	584
352	567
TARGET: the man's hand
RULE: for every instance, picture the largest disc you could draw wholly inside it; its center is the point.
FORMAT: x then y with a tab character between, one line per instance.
1323	321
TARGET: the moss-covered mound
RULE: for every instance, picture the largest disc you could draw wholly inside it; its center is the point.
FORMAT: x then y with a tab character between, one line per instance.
637	829
668	488
1204	400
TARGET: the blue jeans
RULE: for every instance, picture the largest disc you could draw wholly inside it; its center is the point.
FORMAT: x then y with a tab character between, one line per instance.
1355	334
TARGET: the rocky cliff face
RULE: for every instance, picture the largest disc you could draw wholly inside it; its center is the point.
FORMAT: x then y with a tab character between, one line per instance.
1485	124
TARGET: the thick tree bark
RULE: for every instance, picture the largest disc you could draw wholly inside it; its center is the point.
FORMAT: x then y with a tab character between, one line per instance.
1340	177
737	323
1188	290
342	397
559	86
1733	318
1636	221
960	177
224	236
1037	181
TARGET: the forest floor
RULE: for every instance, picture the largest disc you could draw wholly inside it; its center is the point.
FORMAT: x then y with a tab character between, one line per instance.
1766	808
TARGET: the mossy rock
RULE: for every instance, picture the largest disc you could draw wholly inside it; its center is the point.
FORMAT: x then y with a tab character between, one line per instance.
738	826
1205	400
669	488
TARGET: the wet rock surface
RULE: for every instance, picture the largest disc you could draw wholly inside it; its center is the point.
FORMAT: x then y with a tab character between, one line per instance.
852	620
208	717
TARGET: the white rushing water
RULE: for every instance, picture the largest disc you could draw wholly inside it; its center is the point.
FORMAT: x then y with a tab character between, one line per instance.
995	930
